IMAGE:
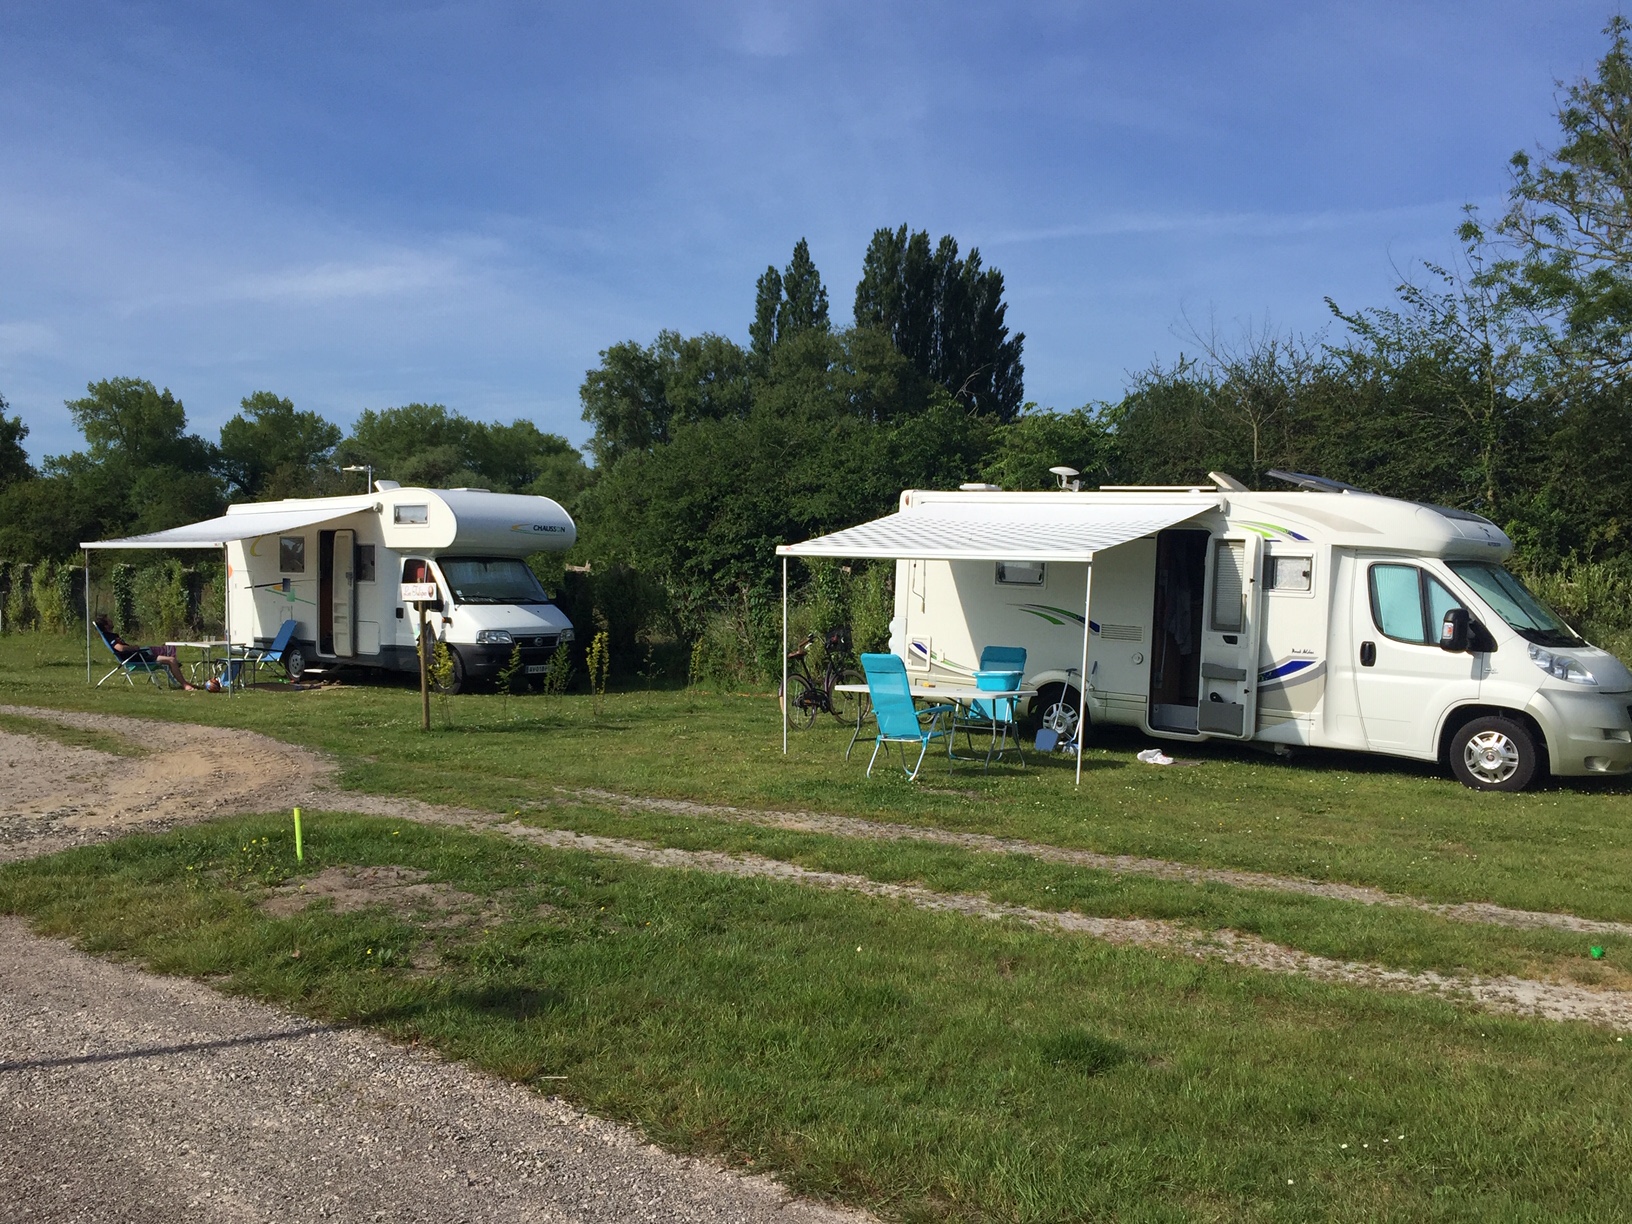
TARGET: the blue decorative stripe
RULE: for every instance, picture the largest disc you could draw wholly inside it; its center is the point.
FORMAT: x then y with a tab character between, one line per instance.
1282	670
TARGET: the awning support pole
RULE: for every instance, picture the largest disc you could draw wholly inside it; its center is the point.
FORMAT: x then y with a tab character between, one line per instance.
1082	678
226	620
782	692
87	616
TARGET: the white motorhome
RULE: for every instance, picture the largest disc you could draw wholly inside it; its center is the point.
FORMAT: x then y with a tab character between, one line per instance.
335	565
1321	616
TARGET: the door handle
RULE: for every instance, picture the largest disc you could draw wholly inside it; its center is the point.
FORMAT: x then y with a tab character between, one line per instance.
1368	654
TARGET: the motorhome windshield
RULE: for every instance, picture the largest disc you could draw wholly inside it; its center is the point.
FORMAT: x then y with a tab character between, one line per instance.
1528	616
491	580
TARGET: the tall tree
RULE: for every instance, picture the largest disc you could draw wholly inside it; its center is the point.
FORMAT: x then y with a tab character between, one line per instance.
1570	220
14	464
270	450
947	315
788	303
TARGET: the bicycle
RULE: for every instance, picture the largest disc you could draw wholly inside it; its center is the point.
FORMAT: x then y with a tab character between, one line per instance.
813	694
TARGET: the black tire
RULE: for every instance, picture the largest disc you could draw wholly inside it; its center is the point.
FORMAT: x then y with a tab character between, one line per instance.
807	698
294	663
458	682
848	706
1058	707
1494	754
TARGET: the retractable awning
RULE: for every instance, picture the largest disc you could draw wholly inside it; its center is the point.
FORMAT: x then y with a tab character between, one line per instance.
243	525
1002	532
980	529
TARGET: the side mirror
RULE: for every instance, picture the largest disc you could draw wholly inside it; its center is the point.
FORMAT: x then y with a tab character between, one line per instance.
1453	631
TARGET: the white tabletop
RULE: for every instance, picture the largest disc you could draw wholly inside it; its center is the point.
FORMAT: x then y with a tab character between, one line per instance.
946	691
199	645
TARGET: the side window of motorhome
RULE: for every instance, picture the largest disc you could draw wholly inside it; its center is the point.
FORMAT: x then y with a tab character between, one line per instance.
365	563
410	514
1291	574
1020	573
1229	586
1408	604
291	554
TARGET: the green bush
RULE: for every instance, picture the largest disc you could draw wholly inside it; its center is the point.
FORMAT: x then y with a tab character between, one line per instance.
51	611
162	601
124	597
20	599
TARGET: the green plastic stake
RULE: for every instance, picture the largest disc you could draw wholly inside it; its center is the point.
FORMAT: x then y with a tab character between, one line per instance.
1597	952
300	854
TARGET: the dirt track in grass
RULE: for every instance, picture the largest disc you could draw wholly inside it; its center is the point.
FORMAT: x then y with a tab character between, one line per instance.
70	796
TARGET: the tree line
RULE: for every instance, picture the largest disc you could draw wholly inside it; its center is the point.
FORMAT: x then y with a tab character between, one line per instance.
1497	384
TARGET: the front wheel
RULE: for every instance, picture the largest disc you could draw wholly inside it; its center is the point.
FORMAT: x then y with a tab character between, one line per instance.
1494	754
847	707
453	680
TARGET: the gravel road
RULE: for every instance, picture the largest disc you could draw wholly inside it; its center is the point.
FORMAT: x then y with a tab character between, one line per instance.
134	1098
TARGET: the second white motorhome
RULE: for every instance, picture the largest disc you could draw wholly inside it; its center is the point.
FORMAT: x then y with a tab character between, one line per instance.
335	565
1322	616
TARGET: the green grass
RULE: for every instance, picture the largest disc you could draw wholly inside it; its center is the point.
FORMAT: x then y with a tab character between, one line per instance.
952	1068
924	1065
74	737
1347	817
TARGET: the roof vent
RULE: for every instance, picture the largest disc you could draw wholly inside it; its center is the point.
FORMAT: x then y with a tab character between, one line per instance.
1227	483
977	487
385	486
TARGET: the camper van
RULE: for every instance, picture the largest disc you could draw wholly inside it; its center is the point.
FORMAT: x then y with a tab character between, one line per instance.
336	566
1319	616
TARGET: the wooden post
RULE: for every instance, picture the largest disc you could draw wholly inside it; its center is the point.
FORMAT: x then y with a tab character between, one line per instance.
424	674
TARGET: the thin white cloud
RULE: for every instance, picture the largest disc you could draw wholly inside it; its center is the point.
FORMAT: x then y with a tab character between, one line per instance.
403	274
1236	224
26	338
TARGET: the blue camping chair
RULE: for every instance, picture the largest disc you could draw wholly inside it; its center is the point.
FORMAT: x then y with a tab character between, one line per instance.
994	717
139	664
259	656
899	721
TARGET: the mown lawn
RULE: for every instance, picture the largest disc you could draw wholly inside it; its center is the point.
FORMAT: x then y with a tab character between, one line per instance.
929	1066
1335	816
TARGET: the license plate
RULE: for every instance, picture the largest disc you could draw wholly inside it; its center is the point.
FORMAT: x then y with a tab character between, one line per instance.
537	669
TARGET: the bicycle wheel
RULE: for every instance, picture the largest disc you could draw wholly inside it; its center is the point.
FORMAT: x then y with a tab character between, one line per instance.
847	707
801	701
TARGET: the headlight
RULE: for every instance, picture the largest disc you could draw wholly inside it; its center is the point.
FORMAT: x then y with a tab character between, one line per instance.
494	637
567	635
1561	667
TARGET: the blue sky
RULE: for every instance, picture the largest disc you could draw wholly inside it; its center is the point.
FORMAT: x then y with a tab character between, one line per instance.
365	204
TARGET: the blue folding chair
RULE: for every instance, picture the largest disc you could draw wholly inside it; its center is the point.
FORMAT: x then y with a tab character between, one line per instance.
131	665
899	721
994	717
259	656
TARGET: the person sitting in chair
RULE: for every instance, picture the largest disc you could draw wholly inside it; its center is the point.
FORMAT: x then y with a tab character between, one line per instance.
142	654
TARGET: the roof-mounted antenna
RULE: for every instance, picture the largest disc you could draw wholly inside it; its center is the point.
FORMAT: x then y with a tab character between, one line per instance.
1067	476
1315	484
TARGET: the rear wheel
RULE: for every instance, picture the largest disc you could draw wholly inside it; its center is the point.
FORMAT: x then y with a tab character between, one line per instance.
847	706
1494	753
294	663
1058	708
800	701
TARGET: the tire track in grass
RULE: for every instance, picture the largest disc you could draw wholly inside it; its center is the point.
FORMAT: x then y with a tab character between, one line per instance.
1503	994
1161	869
146	795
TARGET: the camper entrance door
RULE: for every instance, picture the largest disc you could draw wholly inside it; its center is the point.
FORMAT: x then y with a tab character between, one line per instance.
336	593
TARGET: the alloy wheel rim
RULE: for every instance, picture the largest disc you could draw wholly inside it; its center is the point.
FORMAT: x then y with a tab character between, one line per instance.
1491	757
